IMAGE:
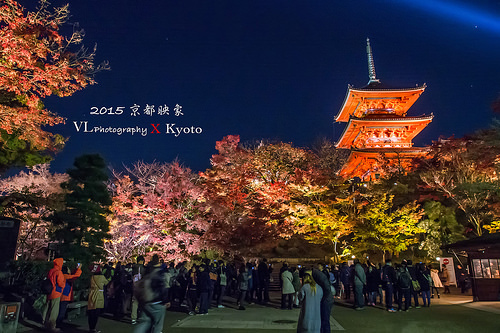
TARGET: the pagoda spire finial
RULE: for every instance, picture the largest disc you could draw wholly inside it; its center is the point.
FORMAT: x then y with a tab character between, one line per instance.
371	64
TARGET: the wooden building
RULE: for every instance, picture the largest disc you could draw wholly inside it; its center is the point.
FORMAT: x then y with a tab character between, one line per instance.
483	255
378	128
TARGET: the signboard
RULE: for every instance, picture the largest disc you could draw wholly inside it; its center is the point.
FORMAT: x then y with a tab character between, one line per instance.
450	267
9	231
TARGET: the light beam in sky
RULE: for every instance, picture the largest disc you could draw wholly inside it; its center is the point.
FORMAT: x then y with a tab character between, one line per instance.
467	14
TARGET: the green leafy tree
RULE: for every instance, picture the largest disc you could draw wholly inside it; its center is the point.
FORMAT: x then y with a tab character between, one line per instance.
81	227
322	214
382	227
441	228
465	171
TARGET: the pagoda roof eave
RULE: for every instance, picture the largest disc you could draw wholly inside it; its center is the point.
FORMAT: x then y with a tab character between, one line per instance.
422	120
355	165
349	99
374	88
402	150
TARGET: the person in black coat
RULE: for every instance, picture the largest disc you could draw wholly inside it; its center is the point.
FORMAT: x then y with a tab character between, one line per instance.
424	279
203	287
413	273
388	282
264	278
372	283
327	300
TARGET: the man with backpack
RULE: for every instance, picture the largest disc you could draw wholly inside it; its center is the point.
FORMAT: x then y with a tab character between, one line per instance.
388	281
152	295
51	309
415	286
404	285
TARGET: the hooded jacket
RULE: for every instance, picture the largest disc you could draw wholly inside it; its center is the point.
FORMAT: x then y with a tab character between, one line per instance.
67	293
56	276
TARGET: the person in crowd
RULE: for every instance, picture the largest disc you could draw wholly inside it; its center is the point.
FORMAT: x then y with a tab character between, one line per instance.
264	279
436	281
119	281
256	282
359	284
182	281
242	286
345	279
372	283
462	279
404	288
413	273
129	288
425	280
284	267
67	293
221	283
192	292
212	273
310	295
287	289
248	295
51	309
336	275
296	286
327	299
138	272
445	277
332	278
95	303
203	286
388	281
152	295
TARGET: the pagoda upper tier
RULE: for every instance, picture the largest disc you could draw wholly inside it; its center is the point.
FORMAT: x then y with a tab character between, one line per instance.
375	100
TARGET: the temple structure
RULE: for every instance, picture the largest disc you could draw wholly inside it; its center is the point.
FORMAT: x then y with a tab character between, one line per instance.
378	129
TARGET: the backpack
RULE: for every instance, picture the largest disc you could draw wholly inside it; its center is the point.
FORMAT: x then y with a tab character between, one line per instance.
385	275
46	286
404	280
143	290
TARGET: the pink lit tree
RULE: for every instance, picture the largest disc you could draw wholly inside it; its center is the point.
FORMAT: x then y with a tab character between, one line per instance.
158	208
32	197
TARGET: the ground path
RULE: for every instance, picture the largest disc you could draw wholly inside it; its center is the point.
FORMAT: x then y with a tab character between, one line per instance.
451	313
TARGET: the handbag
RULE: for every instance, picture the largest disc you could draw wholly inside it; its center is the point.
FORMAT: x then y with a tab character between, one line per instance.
416	285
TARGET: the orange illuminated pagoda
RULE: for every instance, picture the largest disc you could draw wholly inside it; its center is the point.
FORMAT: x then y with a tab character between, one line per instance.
377	126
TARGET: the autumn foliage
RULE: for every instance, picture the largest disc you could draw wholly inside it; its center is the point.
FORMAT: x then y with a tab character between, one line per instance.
36	61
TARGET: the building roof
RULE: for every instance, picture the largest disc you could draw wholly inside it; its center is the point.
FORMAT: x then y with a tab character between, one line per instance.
410	125
487	241
357	98
361	160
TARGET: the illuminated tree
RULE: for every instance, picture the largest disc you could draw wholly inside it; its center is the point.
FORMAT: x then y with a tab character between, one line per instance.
127	222
440	228
465	171
36	61
158	207
248	192
32	197
385	228
321	216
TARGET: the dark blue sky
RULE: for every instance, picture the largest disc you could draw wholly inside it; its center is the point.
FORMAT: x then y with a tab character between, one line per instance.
272	69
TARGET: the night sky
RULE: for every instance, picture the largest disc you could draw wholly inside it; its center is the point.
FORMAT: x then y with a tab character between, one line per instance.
271	69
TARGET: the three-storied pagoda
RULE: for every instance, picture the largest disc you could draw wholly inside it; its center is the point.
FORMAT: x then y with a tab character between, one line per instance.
378	128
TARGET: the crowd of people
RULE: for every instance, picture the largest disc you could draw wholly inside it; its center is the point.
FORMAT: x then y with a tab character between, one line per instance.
143	291
400	284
